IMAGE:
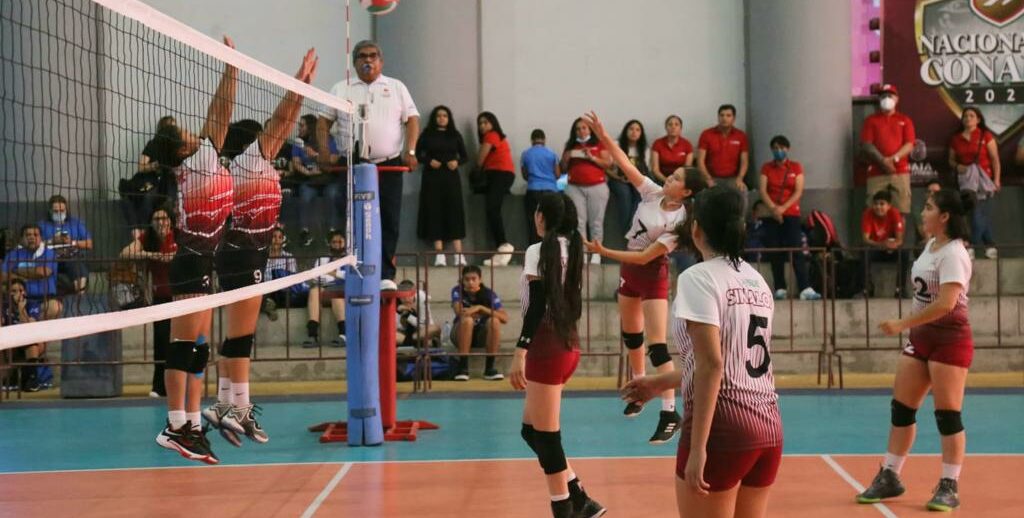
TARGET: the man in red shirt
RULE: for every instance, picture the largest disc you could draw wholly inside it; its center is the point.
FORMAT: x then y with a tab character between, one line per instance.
723	151
883	229
887	139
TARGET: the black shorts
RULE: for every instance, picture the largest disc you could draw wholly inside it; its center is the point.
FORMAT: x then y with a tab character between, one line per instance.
191	273
240	267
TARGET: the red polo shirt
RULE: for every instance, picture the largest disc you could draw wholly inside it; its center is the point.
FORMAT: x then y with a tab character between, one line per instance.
671	158
583	171
973	150
723	151
881	229
500	156
888	133
782	182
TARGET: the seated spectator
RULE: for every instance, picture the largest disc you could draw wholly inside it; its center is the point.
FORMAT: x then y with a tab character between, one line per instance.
36	265
157	247
410	312
934	186
312	181
153	183
883	229
18	309
328	290
670	152
479	316
69	239
281	263
540	168
632	140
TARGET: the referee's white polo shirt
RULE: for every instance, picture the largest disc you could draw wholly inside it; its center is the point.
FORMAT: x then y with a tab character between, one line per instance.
389	106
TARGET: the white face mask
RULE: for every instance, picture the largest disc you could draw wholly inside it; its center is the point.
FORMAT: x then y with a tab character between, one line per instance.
582	140
58	217
887	103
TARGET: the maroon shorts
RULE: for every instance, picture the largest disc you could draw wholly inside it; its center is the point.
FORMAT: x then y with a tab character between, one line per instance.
645	281
549	360
956	354
724	469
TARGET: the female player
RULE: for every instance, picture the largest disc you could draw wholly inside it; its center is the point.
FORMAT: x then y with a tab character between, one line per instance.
937	355
644	277
731	444
243	255
548	348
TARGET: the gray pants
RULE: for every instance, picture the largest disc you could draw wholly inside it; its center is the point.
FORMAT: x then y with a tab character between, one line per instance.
591	202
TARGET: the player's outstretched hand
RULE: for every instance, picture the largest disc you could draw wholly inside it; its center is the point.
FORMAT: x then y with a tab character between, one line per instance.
596	126
641	390
594	246
891	327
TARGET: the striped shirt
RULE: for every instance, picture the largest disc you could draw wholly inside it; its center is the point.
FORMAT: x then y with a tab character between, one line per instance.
257	199
652	223
738	302
531	268
933	268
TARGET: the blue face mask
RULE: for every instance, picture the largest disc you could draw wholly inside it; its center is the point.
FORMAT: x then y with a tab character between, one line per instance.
779	154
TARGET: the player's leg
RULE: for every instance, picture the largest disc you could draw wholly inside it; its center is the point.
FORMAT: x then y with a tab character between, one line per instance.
656	323
948	383
631	315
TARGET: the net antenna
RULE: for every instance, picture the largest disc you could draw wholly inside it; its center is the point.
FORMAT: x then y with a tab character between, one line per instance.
358	120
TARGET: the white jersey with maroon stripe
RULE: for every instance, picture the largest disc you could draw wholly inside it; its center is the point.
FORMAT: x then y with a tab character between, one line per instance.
257	199
204	200
739	302
651	222
950	263
531	268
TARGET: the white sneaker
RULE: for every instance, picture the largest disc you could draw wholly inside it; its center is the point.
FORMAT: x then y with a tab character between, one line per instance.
595	258
461	377
970	253
505	255
439	260
460	260
388	285
809	294
992	253
781	294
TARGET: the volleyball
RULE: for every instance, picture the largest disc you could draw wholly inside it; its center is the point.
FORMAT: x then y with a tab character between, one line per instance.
379	7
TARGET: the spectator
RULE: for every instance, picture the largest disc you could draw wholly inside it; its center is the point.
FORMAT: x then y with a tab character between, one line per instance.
671	151
157	247
68	238
329	290
933	186
887	139
442	150
585	160
479	316
883	231
153	184
495	160
389	109
756	238
974	155
541	170
154	156
632	140
782	186
305	159
36	265
281	263
411	311
724	152
17	308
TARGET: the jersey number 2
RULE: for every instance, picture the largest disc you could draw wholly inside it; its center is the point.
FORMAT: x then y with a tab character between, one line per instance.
754	339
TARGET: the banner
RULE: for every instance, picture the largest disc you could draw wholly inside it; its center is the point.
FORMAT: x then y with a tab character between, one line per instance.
944	55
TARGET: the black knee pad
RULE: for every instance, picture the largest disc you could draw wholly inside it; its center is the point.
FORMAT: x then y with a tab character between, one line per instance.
659	354
180	355
548	446
633	340
238	347
527	432
948	422
199	359
902	415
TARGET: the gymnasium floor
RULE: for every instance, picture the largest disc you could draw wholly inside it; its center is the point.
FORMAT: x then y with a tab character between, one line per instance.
100	459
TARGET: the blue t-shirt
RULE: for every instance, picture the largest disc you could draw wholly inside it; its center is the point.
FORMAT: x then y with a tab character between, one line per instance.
10	316
539	164
73	227
483	297
300	152
22	258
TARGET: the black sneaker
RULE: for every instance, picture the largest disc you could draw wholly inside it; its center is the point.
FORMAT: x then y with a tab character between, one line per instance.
668	425
583	505
633	409
885	485
188	443
200	437
945	498
562	509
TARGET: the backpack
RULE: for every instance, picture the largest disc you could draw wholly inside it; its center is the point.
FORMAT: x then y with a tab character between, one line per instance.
821	232
442	366
848	277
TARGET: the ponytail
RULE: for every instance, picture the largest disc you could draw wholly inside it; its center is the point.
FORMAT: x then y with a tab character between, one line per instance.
564	297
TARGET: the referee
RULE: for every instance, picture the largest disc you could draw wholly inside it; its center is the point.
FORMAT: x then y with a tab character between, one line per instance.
392	120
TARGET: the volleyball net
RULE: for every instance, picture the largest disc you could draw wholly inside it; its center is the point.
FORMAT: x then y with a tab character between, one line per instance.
111	115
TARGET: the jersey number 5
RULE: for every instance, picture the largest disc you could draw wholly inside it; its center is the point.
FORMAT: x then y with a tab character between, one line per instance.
755	339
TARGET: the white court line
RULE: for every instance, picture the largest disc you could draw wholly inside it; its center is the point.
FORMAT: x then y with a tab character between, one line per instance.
856	485
311	510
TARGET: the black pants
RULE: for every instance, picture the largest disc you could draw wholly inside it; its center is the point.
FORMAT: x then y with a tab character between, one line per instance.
530	202
161	340
390	185
786	235
498	185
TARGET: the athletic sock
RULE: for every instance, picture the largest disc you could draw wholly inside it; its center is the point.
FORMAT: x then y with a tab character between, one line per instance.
224	390
490	364
951	471
195	419
894	462
464	364
313	328
559	498
341	328
668	404
240	394
176	418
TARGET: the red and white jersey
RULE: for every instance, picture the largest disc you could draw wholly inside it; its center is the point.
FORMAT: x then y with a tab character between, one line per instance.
531	268
933	268
257	199
651	222
205	199
738	302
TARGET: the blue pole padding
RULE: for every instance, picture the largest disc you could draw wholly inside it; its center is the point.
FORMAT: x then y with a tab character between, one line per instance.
362	312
